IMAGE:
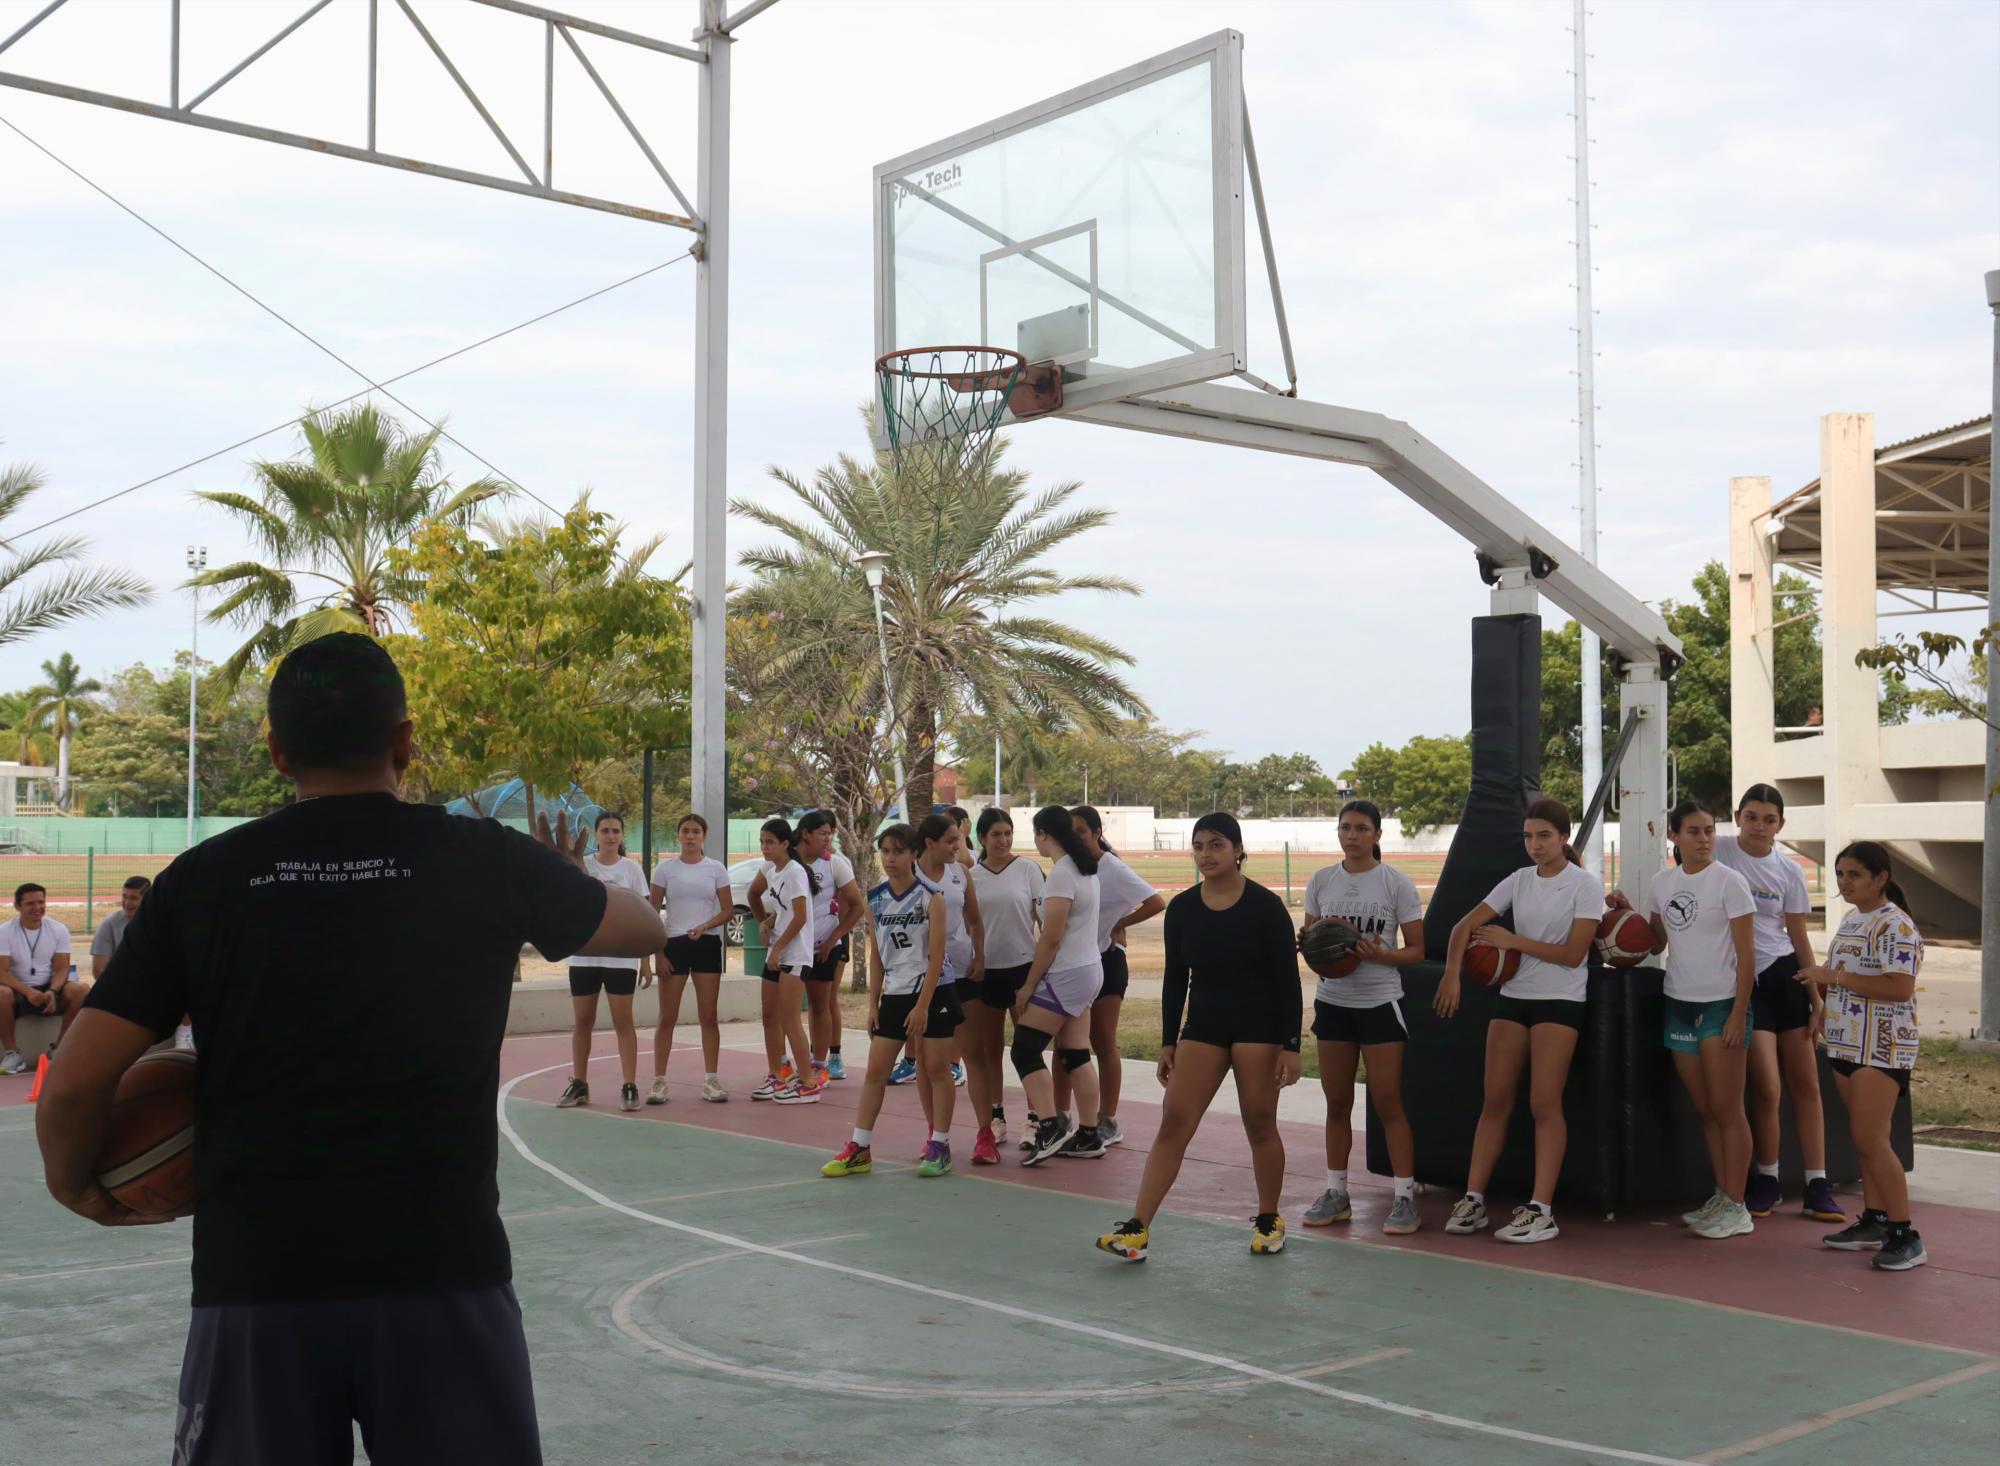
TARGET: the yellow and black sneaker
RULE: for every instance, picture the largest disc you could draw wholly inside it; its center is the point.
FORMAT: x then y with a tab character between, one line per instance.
1126	1241
1267	1233
853	1160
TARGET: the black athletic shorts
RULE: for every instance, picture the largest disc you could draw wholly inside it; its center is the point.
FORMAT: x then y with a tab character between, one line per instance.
819	971
775	970
1381	1024
586	982
428	1376
1002	985
1224	1028
695	954
839	953
1779	1002
893	1016
1529	1011
1846	1068
1116	973
23	1008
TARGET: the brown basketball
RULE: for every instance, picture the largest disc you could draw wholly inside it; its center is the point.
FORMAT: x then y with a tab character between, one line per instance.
147	1162
1490	966
1624	938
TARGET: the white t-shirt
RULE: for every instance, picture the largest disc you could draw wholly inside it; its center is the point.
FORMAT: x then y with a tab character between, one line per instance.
1779	888
688	890
1874	1031
30	951
1078	947
903	935
1696	911
1009	901
1120	891
835	871
1376	903
781	889
626	876
1545	908
952	881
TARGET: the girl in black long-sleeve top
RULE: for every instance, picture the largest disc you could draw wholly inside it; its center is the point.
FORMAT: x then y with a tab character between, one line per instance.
1232	967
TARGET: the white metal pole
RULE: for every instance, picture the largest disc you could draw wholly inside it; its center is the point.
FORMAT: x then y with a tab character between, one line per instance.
1592	710
996	772
708	756
890	729
1989	946
197	560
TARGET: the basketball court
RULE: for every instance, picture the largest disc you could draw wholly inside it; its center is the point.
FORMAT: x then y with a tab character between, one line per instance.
693	1288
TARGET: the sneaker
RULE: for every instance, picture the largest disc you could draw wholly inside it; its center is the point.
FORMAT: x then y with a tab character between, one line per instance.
1126	1241
786	1073
1050	1136
767	1090
985	1150
1332	1206
820	1074
798	1094
904	1072
1108	1131
12	1063
1529	1225
1467	1216
1820	1203
853	1160
1903	1251
658	1094
958	1075
1000	1124
936	1161
834	1068
628	1097
577	1093
1703	1212
1762	1194
1402	1218
1028	1135
1267	1233
1086	1142
714	1093
1731	1219
1866	1235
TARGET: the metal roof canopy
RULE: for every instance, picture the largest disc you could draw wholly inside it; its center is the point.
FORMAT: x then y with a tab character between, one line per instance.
1933	518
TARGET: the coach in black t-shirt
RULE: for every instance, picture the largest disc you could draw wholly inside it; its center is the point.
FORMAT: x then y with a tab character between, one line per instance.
348	963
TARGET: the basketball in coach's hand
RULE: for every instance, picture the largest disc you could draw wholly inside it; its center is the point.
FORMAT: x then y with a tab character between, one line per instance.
1490	966
147	1161
1624	938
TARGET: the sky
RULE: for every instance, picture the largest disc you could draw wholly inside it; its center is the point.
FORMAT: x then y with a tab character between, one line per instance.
1793	206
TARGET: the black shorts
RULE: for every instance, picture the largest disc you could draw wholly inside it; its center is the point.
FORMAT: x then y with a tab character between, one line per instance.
695	954
429	1376
1225	1029
23	1008
1528	1012
1002	985
1846	1068
819	972
1116	973
839	954
893	1016
586	982
1381	1024
775	970
968	991
1779	1002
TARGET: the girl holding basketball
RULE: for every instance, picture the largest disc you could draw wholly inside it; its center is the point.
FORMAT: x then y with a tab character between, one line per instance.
691	892
909	996
1537	1016
1702	913
1360	1015
1054	1002
1871	1042
615	977
1010	892
1232	963
789	887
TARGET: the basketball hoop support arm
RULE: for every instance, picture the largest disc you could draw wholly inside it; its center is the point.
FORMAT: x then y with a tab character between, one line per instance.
1270	262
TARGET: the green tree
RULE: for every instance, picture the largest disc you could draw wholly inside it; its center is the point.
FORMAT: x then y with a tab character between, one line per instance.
59	704
31	602
1433	778
541	656
1373	776
328	525
30	743
963	557
133	752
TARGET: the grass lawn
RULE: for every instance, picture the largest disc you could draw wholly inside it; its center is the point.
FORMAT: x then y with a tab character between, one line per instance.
1952	1086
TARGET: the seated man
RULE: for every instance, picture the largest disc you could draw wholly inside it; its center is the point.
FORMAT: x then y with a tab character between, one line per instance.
34	971
348	962
111	931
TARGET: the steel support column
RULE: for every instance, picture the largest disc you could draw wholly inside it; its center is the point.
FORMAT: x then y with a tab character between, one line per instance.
707	763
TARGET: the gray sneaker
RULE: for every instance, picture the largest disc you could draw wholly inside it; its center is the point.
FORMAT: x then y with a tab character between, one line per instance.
1467	1216
1332	1206
1108	1131
1703	1212
1730	1219
1402	1217
576	1093
12	1063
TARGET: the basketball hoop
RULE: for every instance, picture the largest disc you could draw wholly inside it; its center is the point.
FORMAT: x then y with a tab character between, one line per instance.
940	404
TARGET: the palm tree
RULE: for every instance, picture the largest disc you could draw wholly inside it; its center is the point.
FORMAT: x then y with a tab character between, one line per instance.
60	704
962	556
327	523
75	593
30	742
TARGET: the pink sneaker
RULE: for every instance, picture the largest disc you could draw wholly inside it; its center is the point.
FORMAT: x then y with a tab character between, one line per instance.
985	1150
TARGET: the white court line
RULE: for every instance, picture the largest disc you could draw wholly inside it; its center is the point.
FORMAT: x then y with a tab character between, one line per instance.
1812	1424
1025	1315
109	1267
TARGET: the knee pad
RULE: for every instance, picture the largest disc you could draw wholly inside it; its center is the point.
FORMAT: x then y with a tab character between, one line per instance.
1073	1059
1027	1050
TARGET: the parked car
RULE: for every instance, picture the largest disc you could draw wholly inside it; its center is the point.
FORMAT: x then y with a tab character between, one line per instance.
741	875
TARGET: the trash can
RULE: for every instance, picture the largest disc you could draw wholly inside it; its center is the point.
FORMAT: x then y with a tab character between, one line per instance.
753	949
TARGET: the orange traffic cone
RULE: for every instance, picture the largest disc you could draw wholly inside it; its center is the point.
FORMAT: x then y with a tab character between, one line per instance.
41	1073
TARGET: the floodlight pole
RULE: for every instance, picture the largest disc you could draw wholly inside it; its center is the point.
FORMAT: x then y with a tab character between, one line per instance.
707	737
1592	711
197	561
870	563
1989	905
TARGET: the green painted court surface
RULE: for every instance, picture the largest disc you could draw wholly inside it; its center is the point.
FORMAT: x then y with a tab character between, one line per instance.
655	1343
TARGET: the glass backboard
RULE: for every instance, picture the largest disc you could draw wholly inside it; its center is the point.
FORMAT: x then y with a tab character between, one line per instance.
1100	230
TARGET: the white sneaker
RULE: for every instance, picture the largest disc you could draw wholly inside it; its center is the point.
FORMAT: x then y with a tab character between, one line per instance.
713	1092
12	1063
658	1095
1467	1216
1529	1225
1703	1212
1731	1219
